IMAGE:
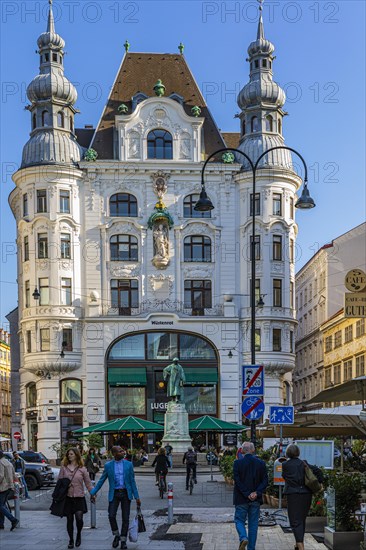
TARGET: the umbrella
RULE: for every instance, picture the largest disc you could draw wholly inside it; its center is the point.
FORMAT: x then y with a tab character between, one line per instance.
4	439
352	390
128	424
213	424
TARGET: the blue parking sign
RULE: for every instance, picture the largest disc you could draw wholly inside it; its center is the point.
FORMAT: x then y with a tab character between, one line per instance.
281	415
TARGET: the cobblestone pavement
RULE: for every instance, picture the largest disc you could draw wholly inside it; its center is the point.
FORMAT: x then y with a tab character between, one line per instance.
195	529
223	536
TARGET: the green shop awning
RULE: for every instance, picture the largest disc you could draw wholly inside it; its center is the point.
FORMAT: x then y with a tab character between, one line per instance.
127	376
201	375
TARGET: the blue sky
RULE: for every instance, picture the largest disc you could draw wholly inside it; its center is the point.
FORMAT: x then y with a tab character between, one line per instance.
320	49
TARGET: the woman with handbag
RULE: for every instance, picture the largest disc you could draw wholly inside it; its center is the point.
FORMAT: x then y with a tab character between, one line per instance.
92	463
299	495
73	469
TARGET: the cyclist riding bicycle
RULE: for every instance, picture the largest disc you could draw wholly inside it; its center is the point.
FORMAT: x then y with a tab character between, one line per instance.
161	464
190	459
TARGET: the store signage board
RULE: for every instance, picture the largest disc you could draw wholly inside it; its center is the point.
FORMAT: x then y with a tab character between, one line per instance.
320	453
253	380
355	304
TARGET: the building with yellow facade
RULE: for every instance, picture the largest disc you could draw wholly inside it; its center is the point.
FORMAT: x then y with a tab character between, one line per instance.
344	350
5	392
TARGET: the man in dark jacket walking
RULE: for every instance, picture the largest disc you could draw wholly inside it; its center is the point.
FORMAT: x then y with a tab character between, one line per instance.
250	480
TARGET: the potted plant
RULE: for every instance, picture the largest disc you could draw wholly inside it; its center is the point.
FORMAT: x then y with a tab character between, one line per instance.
226	468
344	529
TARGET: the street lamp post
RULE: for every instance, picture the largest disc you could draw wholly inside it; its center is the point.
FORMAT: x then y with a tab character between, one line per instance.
204	204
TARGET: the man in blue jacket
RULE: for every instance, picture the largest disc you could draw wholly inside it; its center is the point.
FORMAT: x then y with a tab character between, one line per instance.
122	489
250	480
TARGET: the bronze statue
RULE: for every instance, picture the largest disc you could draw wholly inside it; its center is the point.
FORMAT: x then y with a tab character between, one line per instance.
176	379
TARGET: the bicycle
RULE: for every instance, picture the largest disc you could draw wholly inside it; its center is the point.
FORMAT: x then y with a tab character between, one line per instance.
162	485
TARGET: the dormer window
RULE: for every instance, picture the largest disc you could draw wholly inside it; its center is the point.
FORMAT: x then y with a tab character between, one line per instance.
34	121
136	99
264	63
54	57
256	63
159	145
176	97
46	57
60	119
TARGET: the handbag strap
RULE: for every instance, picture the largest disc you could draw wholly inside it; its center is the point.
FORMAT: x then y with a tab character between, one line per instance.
76	469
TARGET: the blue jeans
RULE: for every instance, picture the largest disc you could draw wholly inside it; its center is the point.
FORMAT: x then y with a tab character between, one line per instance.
248	510
4	511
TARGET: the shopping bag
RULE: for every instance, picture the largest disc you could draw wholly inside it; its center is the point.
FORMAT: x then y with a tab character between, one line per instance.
141	522
133	530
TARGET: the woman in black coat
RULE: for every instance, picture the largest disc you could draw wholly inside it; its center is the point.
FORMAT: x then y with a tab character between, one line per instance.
298	494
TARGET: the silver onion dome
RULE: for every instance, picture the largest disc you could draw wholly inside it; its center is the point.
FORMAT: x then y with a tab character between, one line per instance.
261	90
51	147
53	85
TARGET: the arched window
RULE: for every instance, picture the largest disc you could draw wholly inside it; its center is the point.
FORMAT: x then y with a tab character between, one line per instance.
45	118
123	204
243	128
269	123
71	123
71	391
280	126
254	124
197	249
34	121
32	395
159	145
188	207
60	119
124	248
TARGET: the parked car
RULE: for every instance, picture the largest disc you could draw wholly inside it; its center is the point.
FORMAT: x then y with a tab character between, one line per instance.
33	456
37	475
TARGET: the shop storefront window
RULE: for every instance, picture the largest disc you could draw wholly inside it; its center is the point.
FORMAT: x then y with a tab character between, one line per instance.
126	401
162	345
68	425
200	399
192	347
71	391
132	347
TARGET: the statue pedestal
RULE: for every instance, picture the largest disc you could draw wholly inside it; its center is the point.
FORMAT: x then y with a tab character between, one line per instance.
176	431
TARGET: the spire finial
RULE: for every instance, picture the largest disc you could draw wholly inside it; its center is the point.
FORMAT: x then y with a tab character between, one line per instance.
260	32
51	21
181	48
127	45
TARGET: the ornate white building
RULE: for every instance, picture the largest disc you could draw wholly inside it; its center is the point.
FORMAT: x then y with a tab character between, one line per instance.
118	273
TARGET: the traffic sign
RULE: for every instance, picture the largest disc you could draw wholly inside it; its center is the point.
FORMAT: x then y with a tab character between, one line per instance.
252	407
281	415
253	380
17	435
